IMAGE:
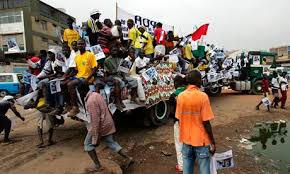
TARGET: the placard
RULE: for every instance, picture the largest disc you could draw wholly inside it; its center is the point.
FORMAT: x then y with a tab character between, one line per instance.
98	52
54	86
125	66
224	160
12	45
266	101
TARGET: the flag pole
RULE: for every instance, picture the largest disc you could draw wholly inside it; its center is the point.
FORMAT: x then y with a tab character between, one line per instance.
116	9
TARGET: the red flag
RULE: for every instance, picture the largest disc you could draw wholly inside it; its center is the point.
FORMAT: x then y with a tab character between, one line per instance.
200	32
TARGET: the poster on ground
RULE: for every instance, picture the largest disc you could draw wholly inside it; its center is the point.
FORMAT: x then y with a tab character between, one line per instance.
123	16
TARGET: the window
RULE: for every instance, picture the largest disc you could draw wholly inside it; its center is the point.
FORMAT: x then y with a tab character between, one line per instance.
43	25
10	17
6	78
43	39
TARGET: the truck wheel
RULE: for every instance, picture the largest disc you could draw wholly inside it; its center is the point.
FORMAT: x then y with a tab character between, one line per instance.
257	87
213	92
159	113
3	93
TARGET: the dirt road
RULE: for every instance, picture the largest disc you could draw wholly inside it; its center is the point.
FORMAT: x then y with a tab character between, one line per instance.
235	116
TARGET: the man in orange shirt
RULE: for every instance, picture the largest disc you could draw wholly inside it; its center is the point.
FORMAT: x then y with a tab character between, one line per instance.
195	128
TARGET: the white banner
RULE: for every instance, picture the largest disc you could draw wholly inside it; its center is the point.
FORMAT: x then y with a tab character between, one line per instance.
123	16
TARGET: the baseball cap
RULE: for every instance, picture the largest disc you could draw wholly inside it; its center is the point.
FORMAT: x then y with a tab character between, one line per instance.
95	11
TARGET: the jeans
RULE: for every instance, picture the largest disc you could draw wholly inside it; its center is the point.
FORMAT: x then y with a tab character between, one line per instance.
137	52
201	154
109	141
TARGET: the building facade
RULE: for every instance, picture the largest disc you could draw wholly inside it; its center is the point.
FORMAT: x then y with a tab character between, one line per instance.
283	53
32	24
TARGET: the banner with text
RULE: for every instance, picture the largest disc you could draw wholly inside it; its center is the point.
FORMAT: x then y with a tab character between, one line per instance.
123	16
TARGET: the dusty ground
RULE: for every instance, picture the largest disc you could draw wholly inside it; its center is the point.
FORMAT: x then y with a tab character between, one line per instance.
235	116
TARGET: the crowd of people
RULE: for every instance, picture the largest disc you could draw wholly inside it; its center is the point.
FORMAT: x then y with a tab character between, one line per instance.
82	75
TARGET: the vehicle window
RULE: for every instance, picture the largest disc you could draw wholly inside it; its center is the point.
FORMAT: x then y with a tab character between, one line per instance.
6	78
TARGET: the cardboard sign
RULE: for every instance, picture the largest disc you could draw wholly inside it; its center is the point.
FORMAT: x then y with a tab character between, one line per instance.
98	51
224	160
266	101
54	86
12	45
125	66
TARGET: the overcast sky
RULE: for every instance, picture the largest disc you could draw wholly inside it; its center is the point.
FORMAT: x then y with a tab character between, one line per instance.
234	24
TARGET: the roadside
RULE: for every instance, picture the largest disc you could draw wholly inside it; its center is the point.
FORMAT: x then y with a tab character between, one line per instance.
152	148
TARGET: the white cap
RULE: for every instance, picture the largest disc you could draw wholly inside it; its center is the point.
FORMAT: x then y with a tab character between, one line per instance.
95	11
52	51
7	97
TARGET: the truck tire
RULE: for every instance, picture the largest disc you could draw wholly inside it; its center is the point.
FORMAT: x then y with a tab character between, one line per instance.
159	113
214	92
257	87
3	93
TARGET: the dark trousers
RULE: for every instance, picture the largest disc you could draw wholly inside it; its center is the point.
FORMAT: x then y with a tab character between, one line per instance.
5	124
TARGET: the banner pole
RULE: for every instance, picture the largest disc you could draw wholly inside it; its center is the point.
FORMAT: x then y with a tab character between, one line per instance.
116	9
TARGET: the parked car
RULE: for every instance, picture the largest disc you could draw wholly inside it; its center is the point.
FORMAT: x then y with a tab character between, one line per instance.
9	83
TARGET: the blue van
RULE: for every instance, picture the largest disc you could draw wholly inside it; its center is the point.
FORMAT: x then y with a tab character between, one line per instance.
9	84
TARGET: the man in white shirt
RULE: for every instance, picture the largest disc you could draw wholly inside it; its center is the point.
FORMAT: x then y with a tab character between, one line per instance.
275	89
142	63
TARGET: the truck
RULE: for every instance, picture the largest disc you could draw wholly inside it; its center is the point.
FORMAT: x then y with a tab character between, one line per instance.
253	73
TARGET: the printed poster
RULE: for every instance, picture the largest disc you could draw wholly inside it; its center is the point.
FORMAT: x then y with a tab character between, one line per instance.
125	66
158	84
224	160
98	51
54	86
12	45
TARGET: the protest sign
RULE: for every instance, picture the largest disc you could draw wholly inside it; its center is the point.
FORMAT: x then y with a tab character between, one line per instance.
87	40
224	160
12	45
157	83
125	66
256	59
98	52
266	101
123	16
55	86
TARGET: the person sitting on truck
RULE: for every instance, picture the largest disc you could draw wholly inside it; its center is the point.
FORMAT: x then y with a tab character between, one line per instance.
275	89
140	89
86	67
142	63
5	123
284	89
265	88
117	79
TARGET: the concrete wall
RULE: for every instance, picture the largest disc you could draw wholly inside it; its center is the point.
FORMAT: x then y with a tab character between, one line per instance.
13	68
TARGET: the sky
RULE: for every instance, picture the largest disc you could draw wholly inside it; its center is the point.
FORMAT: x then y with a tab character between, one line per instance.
234	24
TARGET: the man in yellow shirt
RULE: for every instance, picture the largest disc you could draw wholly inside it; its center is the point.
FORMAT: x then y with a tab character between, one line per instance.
146	42
86	67
69	34
187	51
133	37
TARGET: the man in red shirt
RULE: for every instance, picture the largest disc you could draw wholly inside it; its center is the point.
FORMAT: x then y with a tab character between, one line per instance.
160	39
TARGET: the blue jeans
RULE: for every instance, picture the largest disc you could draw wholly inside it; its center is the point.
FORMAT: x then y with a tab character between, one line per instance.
201	154
137	52
109	141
